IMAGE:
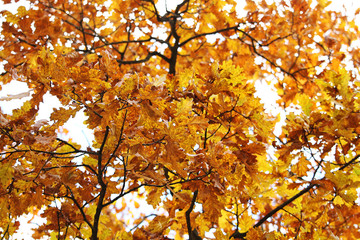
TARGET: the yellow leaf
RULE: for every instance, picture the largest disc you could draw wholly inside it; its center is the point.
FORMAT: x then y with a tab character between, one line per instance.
338	201
153	197
92	57
125	236
158	81
250	6
21	11
301	167
106	31
219	235
11	18
6	173
322	220
349	195
26	107
184	106
158	224
306	104
54	236
87	160
357	170
246	222
324	3
254	234
223	220
263	164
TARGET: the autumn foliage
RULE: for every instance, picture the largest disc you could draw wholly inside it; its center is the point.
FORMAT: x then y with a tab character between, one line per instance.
168	91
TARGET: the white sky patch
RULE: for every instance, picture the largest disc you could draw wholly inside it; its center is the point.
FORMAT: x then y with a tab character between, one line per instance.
78	132
166	5
13	88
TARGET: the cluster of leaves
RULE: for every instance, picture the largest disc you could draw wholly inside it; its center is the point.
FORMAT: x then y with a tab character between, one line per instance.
176	120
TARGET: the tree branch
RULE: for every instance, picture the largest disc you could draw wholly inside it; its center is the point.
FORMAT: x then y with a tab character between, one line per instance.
236	234
147	58
350	162
193	235
209	33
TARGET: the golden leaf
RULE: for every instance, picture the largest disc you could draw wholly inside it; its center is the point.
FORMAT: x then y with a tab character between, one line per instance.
246	222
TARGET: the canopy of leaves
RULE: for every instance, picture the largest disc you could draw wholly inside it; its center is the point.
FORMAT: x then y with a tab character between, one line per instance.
168	91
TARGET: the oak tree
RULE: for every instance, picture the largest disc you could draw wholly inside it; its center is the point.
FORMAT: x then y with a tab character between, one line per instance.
168	91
